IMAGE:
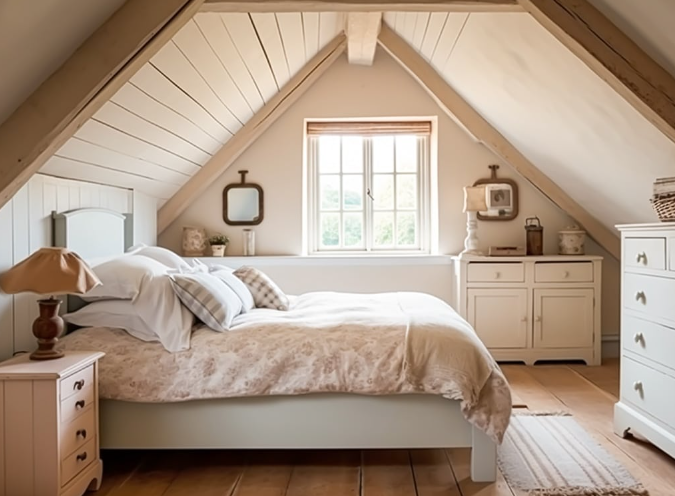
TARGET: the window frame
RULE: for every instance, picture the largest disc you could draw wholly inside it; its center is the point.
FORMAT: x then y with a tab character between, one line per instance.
423	212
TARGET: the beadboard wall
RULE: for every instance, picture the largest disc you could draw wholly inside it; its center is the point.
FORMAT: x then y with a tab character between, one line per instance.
25	226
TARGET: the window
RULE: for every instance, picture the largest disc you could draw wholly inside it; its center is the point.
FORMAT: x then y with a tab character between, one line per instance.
368	186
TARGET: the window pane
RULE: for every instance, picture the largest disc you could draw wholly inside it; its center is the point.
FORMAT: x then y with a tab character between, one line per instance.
329	154
406	191
352	189
352	154
383	191
406	153
330	192
383	154
330	230
405	229
383	229
353	234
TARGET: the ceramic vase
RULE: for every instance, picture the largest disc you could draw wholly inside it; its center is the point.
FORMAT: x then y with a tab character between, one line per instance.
218	250
571	241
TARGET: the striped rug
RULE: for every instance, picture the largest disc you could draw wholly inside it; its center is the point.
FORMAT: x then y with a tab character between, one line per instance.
552	455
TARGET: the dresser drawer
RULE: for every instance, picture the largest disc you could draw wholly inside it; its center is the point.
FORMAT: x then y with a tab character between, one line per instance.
563	272
649	390
78	432
76	382
645	253
78	461
649	340
76	405
496	272
649	295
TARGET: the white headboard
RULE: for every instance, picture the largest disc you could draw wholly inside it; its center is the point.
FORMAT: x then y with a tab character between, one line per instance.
93	233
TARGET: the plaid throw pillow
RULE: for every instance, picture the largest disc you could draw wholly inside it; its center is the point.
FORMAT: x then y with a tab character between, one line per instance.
208	298
266	293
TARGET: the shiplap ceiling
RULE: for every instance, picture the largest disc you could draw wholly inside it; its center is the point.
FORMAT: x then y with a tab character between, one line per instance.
191	98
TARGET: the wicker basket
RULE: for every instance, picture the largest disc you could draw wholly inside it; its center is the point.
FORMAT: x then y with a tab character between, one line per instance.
664	205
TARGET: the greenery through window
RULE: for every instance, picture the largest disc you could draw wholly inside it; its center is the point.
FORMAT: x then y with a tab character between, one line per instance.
368	191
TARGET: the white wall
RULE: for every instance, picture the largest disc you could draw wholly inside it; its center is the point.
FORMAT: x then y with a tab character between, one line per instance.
25	224
276	162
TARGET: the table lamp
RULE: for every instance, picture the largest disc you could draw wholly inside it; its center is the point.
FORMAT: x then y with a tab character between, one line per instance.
474	202
49	271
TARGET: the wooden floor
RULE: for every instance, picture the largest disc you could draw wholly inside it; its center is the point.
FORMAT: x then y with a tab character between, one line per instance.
589	393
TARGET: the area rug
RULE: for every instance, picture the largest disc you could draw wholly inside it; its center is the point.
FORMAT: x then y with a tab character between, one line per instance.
550	454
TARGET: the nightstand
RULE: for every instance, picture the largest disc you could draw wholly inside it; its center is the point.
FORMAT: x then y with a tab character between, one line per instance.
49	426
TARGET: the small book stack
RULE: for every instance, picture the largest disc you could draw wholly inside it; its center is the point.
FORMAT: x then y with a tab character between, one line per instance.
664	186
663	199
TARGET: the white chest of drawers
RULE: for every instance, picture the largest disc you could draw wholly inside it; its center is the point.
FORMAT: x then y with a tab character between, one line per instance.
532	308
49	426
647	402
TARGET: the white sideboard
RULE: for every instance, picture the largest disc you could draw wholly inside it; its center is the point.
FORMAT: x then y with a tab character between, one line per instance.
532	308
647	399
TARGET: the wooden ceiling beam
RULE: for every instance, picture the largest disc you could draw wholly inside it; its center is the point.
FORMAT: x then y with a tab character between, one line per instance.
452	103
362	29
612	55
250	132
361	6
72	94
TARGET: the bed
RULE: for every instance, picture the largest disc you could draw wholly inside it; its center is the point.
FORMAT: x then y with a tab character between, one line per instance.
396	416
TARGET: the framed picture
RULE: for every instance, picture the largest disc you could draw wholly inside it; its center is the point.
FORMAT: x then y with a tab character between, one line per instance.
501	197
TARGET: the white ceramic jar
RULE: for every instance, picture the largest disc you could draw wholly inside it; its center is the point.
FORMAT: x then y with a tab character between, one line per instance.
571	241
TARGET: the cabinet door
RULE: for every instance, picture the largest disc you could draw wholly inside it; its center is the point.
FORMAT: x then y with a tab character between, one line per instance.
499	316
563	318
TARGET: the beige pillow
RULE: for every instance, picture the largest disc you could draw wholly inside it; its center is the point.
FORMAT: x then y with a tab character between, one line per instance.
266	293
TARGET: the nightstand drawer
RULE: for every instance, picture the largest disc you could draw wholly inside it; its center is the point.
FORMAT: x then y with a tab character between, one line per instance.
76	382
78	432
76	405
78	461
563	272
496	272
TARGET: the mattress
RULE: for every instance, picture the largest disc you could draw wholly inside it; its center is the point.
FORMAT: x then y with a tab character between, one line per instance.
381	344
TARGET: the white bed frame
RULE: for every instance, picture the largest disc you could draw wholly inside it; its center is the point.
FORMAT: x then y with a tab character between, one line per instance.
318	421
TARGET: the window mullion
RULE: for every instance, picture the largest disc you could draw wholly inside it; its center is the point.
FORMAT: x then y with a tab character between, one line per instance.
395	206
367	202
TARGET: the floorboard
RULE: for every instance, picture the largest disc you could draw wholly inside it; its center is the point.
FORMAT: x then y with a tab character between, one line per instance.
588	393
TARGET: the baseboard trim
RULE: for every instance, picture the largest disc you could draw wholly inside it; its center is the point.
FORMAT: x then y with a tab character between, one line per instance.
611	346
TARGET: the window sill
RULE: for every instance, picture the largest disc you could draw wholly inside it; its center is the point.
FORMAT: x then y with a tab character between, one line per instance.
329	260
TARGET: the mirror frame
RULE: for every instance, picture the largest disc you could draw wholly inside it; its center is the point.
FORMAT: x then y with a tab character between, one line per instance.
261	203
493	179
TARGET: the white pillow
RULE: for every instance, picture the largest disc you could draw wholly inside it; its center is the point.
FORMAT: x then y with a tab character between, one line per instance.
121	277
236	285
163	256
209	298
119	314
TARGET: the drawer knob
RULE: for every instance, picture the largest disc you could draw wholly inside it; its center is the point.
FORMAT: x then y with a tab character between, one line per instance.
640	296
78	385
638	337
637	385
81	457
79	405
641	257
498	275
524	319
537	318
566	274
81	433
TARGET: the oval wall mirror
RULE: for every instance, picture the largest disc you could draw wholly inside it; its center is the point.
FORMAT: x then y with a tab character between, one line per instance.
243	203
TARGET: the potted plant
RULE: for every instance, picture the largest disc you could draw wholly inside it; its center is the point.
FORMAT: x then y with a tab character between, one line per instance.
218	244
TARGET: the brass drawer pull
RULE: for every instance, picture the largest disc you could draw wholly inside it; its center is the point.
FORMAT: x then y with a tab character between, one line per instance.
78	385
638	337
81	457
81	432
637	385
641	256
640	296
79	404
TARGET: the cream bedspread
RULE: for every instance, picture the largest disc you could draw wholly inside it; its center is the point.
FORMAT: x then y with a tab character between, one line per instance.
387	343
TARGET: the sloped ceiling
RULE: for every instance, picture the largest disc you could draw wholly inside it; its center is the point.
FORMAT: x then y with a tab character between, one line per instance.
36	37
191	98
555	110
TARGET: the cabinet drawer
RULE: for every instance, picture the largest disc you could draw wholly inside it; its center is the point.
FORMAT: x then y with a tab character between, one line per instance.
649	390
649	295
563	272
78	461
76	382
78	432
76	405
649	340
645	253
496	272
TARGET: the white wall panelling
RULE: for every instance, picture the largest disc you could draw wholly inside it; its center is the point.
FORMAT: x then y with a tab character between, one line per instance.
26	225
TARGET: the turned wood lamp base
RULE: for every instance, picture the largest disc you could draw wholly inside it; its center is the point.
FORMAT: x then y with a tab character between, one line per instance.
47	328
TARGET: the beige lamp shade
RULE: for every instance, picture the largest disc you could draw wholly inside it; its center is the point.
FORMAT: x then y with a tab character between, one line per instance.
474	199
50	271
